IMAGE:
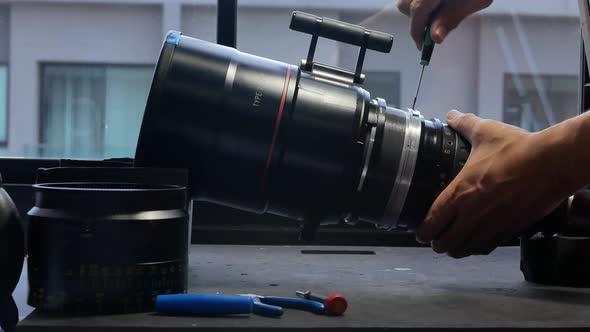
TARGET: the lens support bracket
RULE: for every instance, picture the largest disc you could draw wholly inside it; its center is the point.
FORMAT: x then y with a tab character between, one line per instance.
373	121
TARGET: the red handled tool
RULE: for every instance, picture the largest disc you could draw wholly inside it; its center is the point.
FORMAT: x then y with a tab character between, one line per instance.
335	303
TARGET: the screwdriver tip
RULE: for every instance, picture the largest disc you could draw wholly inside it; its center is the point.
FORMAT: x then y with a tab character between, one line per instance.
418	87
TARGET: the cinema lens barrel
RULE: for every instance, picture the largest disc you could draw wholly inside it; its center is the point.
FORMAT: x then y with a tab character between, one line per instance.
307	143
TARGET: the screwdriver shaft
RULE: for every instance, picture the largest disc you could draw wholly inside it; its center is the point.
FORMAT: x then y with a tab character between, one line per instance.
427	48
418	87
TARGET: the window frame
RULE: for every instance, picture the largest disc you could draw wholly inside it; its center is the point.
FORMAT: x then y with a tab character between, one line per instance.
4	142
583	81
227	22
22	171
40	71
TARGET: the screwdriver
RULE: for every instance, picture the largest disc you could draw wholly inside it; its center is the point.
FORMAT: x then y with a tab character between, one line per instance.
427	50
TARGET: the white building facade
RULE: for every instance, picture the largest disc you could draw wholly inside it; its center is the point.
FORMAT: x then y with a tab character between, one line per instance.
74	74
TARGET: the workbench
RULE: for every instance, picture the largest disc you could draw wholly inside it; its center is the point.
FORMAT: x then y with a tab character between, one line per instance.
387	288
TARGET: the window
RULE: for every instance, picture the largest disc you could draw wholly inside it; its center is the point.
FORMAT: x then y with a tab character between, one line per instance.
39	39
536	102
91	111
3	104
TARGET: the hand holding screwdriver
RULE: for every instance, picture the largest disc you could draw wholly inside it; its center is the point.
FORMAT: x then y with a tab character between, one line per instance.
431	21
448	18
427	48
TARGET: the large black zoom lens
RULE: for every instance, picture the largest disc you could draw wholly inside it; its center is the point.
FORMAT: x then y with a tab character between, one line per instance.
303	142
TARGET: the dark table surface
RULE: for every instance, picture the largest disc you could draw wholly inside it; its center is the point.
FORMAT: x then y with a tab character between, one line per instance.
392	288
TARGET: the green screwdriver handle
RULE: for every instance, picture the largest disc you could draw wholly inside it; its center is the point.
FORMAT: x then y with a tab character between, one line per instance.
427	48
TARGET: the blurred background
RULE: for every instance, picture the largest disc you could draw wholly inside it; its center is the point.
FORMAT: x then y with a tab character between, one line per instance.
75	74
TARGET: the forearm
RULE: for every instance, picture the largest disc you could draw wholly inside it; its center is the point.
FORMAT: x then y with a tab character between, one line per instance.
566	154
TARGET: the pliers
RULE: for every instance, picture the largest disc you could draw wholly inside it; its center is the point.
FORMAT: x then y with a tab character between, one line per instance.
272	306
223	305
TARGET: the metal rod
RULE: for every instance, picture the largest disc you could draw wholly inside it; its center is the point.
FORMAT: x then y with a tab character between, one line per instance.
227	22
584	88
418	87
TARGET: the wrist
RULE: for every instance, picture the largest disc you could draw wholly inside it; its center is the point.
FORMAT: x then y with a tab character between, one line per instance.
562	154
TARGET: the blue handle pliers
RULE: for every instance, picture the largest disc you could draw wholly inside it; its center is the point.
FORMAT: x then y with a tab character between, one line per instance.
272	306
224	304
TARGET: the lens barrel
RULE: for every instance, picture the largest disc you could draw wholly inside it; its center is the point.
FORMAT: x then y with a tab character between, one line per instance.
257	134
411	161
268	137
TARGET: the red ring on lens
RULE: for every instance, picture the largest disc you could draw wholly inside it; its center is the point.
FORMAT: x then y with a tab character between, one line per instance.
276	131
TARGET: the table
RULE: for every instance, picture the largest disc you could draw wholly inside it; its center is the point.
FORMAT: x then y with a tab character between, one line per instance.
387	288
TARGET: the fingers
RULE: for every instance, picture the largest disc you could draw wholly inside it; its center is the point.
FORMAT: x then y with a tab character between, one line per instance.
494	227
441	225
404	6
464	124
452	14
439	217
455	236
420	11
482	241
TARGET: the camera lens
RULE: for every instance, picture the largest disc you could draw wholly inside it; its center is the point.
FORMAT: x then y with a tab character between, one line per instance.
408	161
106	248
312	145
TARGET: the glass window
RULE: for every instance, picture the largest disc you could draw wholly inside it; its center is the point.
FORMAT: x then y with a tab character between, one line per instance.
3	104
53	106
537	102
91	111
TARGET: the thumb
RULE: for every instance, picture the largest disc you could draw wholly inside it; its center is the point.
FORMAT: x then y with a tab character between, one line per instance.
464	124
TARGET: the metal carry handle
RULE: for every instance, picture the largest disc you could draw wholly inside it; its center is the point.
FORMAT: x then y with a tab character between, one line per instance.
341	31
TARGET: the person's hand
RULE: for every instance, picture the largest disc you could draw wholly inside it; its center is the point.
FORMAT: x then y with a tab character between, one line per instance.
507	185
449	17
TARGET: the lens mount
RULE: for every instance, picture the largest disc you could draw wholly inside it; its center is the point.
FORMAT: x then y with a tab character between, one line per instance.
407	164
